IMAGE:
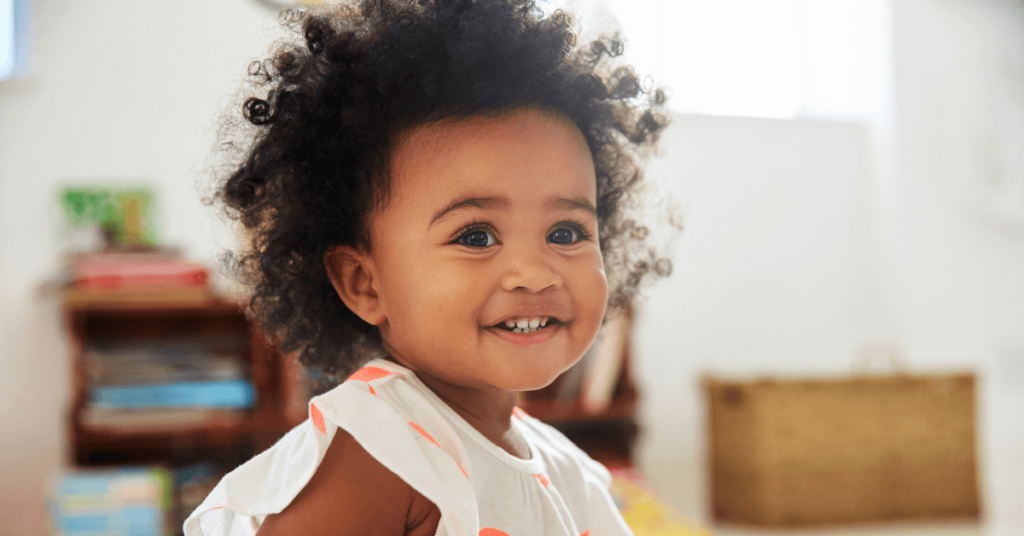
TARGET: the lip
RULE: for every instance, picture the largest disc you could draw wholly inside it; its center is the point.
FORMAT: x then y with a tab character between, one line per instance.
526	339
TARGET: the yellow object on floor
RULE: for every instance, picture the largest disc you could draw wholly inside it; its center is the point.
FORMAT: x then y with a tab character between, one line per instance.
644	512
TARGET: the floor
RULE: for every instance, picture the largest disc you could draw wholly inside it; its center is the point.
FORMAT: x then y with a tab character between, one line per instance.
894	529
679	486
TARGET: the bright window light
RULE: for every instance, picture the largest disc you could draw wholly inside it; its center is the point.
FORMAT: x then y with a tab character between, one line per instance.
763	58
846	58
8	52
726	57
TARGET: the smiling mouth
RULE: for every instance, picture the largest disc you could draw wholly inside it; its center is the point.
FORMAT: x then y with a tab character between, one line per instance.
527	324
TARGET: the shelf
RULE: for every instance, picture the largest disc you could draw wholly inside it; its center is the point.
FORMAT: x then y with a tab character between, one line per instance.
200	303
551	411
229	436
257	430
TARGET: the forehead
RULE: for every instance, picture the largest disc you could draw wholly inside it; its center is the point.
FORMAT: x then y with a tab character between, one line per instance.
524	154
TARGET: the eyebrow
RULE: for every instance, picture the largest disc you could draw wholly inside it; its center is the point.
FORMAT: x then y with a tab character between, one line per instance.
501	202
576	203
483	203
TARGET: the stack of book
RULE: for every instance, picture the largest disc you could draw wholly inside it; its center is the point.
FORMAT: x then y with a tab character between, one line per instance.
129	501
160	384
137	277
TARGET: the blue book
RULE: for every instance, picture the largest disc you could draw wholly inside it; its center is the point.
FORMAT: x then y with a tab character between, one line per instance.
212	394
131	501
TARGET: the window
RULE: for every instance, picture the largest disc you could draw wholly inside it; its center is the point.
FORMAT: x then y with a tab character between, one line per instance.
12	36
825	59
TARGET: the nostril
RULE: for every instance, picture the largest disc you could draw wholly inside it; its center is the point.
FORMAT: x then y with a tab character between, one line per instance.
530	278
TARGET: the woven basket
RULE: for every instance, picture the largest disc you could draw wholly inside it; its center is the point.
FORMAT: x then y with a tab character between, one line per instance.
814	452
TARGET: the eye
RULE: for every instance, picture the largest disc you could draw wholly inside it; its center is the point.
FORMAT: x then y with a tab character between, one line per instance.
564	236
477	239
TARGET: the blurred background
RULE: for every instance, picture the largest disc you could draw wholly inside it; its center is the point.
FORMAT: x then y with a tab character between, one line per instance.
851	174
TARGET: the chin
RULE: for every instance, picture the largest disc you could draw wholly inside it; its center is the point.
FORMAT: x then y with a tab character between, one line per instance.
537	378
533	385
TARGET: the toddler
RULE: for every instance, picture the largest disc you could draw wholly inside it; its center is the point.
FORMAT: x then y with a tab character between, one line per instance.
439	197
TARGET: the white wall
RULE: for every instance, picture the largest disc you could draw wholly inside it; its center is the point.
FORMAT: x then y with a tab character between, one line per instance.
120	90
768	277
802	241
806	240
959	272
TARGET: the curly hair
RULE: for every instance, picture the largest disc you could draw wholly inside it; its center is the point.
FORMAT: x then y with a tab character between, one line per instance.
309	158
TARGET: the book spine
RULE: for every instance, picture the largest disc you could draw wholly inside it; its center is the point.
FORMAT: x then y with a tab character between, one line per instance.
195	278
220	394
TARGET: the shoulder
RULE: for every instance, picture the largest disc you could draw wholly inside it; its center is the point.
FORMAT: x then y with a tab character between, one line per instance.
350	493
353	489
372	430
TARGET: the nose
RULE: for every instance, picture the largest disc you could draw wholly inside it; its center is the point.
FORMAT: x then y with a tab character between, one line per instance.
529	270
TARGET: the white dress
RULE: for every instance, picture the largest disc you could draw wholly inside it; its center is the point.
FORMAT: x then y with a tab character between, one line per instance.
480	489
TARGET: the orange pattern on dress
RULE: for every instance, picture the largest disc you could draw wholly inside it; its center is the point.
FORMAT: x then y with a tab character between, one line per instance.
519	413
424	433
318	419
543	480
492	532
368	374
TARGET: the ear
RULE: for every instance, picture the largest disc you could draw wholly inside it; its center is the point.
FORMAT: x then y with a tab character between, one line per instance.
354	277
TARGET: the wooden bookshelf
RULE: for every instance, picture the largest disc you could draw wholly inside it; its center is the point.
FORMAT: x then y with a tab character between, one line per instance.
228	436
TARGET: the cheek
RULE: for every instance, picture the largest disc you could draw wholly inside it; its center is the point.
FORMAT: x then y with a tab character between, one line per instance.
592	289
599	296
427	296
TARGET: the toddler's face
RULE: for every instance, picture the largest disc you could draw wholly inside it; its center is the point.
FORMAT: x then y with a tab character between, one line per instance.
490	224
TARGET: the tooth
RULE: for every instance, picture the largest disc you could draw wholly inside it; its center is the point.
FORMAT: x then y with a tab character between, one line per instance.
517	330
510	323
523	323
534	323
543	321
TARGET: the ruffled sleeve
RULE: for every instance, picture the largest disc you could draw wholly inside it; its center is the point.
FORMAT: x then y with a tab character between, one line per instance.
388	419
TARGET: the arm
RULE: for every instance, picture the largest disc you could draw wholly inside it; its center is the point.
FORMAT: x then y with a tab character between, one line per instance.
352	493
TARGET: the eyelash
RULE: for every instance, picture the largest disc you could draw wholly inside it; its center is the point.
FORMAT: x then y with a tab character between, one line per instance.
473	227
577	226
